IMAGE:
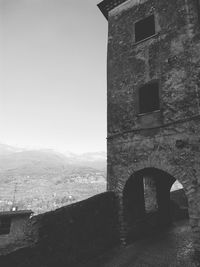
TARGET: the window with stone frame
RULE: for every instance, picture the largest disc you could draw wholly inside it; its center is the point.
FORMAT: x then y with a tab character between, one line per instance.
149	97
5	223
145	28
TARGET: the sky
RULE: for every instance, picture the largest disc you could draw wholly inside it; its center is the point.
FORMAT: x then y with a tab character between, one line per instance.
53	74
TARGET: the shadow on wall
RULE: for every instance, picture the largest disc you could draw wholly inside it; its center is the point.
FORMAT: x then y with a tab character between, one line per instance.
149	226
179	205
69	235
149	207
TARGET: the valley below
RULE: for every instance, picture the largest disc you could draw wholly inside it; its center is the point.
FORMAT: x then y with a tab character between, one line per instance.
43	180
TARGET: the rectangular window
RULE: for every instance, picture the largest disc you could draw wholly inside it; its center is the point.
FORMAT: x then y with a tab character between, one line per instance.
144	28
5	223
149	98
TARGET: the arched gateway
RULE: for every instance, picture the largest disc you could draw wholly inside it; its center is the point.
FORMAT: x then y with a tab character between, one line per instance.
146	202
153	105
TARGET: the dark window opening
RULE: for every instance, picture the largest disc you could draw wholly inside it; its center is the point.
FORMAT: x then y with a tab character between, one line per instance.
149	98
144	28
5	224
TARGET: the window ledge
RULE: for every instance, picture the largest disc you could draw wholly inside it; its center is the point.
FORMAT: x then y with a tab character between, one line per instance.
143	40
148	113
150	119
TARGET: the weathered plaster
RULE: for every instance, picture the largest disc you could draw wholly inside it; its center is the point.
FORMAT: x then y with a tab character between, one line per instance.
167	140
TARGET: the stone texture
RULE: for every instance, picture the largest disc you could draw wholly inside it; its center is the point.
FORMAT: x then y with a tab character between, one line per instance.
150	199
168	139
69	235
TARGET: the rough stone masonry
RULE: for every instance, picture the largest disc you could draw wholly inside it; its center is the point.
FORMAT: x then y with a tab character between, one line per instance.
160	136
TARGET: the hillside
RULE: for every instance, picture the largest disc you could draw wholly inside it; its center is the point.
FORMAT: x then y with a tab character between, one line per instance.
45	179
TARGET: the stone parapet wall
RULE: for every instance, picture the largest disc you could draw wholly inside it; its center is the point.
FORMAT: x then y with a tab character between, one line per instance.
69	235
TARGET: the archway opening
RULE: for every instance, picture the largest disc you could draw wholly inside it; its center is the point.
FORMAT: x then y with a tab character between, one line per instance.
178	202
148	203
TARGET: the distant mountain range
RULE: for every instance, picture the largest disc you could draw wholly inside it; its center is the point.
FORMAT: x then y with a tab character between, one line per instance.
39	175
39	161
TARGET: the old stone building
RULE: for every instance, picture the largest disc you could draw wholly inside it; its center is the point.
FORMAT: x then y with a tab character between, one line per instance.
153	107
12	229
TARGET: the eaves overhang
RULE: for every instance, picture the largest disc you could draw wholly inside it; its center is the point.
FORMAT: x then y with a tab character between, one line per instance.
17	213
107	5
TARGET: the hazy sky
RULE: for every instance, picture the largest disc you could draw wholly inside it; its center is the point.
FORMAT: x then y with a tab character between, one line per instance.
53	74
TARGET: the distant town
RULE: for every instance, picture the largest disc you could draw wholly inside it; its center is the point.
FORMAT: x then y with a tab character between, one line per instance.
44	180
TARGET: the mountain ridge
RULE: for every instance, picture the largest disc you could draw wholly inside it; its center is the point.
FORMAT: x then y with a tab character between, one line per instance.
15	158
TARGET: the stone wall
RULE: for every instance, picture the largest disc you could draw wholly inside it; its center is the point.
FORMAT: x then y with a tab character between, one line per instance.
179	205
166	139
17	235
69	235
150	199
130	65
